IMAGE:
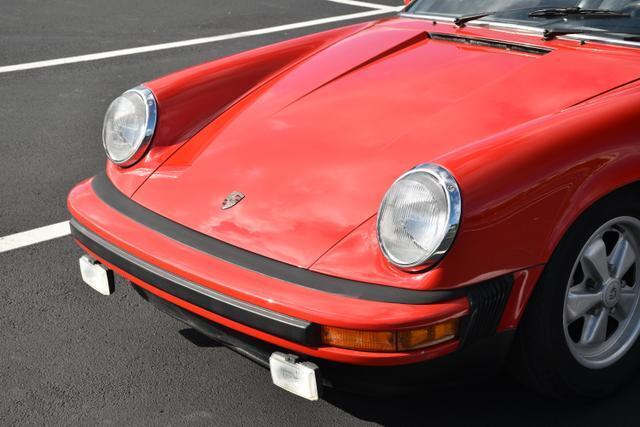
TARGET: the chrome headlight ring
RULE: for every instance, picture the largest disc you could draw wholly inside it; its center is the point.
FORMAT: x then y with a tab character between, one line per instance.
419	217
129	125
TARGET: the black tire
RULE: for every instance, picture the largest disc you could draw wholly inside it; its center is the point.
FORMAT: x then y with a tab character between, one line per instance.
541	357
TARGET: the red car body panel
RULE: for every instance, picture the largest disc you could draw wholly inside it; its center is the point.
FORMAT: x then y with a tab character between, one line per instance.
315	131
312	176
189	99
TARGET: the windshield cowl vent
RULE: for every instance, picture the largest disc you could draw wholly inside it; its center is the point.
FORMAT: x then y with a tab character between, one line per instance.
496	44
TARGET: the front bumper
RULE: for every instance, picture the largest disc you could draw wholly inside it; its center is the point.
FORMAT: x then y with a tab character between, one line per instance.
479	358
287	327
281	306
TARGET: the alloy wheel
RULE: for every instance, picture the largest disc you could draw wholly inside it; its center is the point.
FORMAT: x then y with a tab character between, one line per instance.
601	308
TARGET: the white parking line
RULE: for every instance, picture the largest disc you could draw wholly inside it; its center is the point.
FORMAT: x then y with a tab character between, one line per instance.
37	235
191	42
368	5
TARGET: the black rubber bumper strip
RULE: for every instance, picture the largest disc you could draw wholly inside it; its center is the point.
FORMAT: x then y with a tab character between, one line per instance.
110	195
271	322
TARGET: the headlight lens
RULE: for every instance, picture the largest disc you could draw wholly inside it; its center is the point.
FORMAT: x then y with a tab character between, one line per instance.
419	217
128	126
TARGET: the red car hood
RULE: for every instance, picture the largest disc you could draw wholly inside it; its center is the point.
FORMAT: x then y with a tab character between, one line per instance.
315	150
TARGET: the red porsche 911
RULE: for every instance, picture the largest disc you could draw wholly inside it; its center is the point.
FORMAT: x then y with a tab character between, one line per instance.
392	204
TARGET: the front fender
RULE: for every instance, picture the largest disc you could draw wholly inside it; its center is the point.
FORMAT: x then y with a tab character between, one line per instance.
521	191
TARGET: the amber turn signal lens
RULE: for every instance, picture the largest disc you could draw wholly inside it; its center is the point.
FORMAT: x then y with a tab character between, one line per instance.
410	339
359	340
429	335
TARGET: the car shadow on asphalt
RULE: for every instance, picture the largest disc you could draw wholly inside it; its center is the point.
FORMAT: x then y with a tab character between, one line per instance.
492	401
198	339
498	400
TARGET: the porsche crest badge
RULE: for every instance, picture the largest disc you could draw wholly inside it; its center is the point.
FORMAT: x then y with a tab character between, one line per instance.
232	199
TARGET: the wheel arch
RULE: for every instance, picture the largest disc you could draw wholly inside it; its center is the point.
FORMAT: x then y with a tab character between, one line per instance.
518	304
601	187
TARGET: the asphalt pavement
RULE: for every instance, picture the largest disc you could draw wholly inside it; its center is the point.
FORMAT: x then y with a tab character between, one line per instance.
71	356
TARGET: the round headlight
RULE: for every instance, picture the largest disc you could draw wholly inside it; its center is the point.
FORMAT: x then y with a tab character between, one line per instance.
128	126
419	217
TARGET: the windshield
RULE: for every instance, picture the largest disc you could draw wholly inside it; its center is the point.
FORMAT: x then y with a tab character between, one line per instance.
609	18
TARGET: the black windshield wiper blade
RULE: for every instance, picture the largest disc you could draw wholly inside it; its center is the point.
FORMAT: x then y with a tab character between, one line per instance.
460	21
577	11
552	33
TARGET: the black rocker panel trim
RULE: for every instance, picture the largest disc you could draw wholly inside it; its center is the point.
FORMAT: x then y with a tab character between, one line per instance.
277	324
110	195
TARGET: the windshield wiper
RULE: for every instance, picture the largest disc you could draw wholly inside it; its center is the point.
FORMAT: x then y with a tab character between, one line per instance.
460	21
552	33
577	11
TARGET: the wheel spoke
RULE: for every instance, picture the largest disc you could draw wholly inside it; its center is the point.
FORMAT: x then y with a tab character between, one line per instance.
594	261
626	304
595	328
579	301
622	258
